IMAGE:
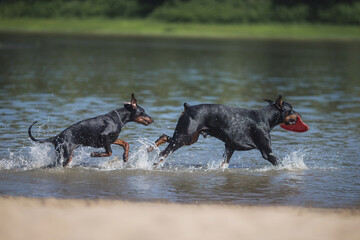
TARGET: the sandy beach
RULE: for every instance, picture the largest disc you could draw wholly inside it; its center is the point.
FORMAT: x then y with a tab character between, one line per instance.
27	218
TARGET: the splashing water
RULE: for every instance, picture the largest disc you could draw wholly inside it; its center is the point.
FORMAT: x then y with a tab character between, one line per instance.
141	159
40	155
28	158
294	161
138	159
291	162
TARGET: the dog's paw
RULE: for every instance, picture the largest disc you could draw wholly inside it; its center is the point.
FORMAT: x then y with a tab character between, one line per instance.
224	166
156	165
95	154
150	149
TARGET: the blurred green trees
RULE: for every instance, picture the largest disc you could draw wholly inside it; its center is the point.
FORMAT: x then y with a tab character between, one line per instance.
201	11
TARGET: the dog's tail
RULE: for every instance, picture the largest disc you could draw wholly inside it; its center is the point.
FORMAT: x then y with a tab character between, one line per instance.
186	106
50	140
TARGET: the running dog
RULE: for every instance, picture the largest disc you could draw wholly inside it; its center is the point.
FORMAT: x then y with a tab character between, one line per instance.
97	132
240	129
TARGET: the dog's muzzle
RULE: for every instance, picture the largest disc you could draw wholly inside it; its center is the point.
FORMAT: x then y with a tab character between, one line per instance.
291	119
144	120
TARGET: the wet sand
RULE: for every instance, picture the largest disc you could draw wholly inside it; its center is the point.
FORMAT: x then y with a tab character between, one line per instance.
27	218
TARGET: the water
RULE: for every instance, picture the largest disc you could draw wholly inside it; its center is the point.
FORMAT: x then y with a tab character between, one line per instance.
61	79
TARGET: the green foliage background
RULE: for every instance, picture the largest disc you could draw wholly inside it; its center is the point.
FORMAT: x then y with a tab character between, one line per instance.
198	11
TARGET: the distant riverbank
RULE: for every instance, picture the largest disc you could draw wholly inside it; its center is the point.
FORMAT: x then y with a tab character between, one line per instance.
99	26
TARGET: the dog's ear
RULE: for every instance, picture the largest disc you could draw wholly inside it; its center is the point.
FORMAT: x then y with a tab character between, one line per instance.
279	102
128	106
133	101
271	102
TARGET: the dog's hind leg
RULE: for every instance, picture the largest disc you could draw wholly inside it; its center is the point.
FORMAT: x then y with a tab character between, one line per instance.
176	142
187	132
59	155
62	152
67	151
161	140
194	138
67	157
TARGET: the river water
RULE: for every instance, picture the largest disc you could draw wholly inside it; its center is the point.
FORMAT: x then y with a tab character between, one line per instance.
61	79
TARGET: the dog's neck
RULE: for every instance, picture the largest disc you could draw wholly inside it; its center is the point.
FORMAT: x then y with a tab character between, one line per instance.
272	115
121	115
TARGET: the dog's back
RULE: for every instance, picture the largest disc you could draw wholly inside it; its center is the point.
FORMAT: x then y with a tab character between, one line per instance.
232	125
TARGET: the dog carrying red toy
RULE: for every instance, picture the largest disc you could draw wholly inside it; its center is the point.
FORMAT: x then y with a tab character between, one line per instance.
299	126
239	128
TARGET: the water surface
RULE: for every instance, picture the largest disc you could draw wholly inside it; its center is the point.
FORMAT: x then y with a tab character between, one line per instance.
61	79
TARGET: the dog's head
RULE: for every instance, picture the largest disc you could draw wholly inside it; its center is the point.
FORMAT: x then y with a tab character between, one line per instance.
288	115
137	113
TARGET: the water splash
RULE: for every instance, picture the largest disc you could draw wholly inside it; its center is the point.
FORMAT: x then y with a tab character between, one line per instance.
216	165
40	155
291	162
294	161
141	159
27	158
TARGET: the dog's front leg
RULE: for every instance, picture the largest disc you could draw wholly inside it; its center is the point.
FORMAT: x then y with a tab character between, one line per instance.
126	147
107	153
268	155
227	155
263	143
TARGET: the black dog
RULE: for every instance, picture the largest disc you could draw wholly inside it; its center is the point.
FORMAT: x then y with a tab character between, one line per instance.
98	132
240	129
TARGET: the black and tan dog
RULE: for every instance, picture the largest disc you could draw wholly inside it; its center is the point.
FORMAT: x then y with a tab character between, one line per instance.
241	129
98	132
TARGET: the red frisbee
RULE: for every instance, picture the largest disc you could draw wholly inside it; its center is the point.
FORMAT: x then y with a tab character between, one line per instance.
299	126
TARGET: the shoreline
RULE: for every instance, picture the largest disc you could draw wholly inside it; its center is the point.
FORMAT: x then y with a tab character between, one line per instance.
22	217
150	28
